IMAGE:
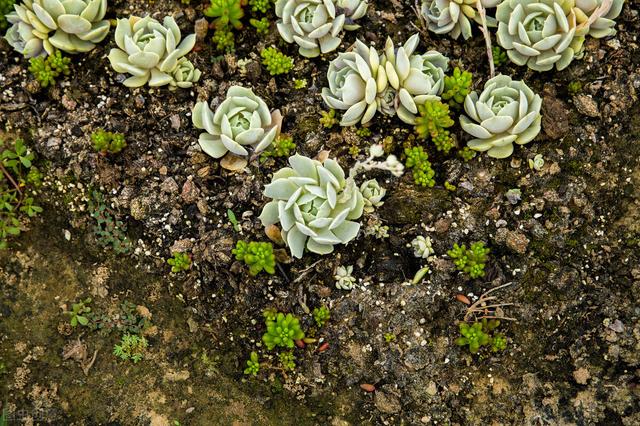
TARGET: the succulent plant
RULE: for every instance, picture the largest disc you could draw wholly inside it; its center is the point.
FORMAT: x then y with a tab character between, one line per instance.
452	17
153	53
344	278
226	12
242	120
422	247
78	26
472	260
372	194
315	205
282	331
315	25
506	111
473	336
602	26
415	78
539	33
356	78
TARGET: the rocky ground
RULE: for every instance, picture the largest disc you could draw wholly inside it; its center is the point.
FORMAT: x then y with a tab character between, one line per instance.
567	248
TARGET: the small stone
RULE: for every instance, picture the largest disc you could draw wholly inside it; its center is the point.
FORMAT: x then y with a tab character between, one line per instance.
586	105
68	103
190	191
581	375
139	208
200	28
387	403
169	186
175	121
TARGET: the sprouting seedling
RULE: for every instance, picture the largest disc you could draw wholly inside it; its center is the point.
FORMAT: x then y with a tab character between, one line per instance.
77	312
232	218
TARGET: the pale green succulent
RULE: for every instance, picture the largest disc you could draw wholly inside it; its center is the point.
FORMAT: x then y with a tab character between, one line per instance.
602	26
506	111
77	25
152	52
316	206
184	75
422	247
372	194
356	79
539	33
242	120
414	77
344	278
453	17
315	25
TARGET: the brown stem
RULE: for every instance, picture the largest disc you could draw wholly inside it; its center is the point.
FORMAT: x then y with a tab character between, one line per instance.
487	37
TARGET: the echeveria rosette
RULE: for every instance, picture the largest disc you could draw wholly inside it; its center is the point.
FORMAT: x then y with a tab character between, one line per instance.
150	51
315	205
372	194
184	75
604	25
356	79
414	77
539	33
315	25
453	17
506	112
242	120
77	25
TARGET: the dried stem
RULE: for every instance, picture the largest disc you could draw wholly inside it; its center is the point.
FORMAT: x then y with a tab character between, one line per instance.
487	37
490	310
603	9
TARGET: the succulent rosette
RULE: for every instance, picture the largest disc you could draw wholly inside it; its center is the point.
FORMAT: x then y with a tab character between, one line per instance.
356	78
453	17
372	194
242	120
604	25
315	25
315	205
151	51
539	33
41	26
415	77
506	112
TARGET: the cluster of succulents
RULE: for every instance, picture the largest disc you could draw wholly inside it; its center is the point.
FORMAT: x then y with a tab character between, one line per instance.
108	142
453	17
544	34
506	112
179	262
316	25
418	161
47	69
321	315
39	27
315	204
258	256
481	333
470	260
153	53
275	61
282	331
433	121
241	121
363	82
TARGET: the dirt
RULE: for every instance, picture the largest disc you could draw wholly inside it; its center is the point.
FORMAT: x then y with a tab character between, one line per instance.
568	248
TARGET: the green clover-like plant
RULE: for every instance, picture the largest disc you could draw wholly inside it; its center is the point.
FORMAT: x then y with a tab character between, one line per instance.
42	26
78	313
282	332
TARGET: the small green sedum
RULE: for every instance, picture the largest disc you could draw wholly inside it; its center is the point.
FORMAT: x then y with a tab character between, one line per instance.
506	112
41	26
282	332
315	204
241	121
153	53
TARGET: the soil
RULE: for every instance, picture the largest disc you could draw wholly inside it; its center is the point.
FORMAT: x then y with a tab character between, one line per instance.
567	248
